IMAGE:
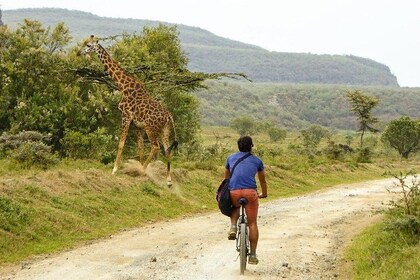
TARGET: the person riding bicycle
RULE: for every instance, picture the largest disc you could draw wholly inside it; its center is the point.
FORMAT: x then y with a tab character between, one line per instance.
243	184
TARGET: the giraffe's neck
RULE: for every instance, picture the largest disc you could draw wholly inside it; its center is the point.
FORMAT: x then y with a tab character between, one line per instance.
116	72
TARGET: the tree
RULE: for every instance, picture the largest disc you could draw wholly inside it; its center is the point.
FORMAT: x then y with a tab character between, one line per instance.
37	92
244	125
362	106
276	134
1	22
403	135
156	58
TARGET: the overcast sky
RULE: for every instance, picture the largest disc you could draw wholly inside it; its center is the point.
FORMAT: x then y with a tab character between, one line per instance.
387	31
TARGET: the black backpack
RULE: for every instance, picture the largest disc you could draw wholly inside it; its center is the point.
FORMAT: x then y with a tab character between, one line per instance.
223	193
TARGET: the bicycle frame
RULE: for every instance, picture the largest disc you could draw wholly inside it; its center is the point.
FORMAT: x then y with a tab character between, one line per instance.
242	238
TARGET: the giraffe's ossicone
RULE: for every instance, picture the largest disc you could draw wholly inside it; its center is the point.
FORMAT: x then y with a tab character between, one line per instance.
138	107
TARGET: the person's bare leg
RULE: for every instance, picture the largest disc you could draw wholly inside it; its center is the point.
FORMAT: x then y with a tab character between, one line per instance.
235	216
233	224
253	235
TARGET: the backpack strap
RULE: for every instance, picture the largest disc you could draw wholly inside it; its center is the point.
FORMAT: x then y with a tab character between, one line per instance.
238	161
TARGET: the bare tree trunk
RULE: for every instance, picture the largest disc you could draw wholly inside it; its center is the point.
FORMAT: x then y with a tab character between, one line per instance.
361	138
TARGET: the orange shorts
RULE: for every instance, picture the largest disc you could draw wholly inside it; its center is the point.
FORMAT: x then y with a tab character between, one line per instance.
251	208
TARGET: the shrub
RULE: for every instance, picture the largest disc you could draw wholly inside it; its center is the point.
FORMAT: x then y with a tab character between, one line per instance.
276	134
364	155
96	145
312	136
334	151
35	154
28	148
406	210
10	142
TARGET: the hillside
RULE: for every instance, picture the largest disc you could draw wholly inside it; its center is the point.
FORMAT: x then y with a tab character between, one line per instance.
297	106
208	52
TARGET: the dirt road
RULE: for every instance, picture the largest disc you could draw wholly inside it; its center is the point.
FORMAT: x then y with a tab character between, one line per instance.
300	238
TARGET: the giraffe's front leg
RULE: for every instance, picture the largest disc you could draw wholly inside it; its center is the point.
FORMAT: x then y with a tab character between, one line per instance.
123	137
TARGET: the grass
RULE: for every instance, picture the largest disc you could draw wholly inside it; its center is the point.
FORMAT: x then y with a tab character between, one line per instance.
78	201
382	254
391	248
87	205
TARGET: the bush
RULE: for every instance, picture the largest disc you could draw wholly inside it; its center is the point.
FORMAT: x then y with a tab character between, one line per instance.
364	155
35	154
334	151
276	134
10	142
96	145
312	136
406	210
28	148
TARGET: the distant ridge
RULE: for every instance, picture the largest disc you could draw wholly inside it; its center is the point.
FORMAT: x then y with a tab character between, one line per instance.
208	52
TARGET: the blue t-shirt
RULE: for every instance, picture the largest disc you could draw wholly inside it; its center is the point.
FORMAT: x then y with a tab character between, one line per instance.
244	174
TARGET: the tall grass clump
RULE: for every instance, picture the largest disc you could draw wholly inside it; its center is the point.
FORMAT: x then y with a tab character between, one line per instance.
405	212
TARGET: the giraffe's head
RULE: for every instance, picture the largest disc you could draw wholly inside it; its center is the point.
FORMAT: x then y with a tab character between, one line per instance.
90	45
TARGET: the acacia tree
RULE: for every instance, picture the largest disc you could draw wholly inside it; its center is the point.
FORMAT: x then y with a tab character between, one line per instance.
244	125
156	58
403	135
362	105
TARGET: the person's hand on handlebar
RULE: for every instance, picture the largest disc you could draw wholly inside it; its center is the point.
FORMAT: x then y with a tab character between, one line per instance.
262	195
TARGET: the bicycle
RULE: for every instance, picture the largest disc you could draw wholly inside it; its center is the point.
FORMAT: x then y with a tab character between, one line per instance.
242	237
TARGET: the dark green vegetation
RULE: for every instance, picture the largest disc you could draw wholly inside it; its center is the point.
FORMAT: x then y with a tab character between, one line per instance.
297	106
391	249
45	87
210	53
403	135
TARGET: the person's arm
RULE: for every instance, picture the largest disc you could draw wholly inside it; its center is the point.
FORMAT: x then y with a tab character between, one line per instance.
263	184
227	173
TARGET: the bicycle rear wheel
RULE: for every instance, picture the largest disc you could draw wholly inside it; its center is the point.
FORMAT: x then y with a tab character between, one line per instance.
243	250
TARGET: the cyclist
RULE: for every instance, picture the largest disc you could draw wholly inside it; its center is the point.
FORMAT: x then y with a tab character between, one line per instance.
243	184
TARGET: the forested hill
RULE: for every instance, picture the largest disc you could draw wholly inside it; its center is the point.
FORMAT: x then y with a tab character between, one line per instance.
208	52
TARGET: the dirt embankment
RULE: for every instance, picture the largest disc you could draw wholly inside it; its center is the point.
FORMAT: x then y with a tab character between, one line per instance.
300	238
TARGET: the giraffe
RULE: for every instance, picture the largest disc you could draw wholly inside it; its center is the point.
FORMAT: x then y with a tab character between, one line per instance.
138	107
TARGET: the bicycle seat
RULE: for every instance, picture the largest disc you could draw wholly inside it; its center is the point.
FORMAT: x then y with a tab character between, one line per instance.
243	201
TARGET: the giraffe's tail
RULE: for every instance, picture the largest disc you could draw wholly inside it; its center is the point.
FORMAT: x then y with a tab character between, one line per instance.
175	142
174	145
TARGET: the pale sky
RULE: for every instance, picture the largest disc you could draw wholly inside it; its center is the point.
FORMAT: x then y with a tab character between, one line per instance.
387	31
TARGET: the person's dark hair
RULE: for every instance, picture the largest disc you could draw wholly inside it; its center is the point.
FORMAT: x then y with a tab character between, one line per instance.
245	144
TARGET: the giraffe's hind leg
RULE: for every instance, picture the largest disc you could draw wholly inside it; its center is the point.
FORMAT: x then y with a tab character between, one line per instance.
140	143
154	148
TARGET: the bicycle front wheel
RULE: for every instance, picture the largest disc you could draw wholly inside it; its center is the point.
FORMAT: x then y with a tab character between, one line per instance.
243	250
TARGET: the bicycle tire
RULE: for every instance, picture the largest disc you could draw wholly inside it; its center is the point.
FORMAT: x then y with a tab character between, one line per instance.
243	248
